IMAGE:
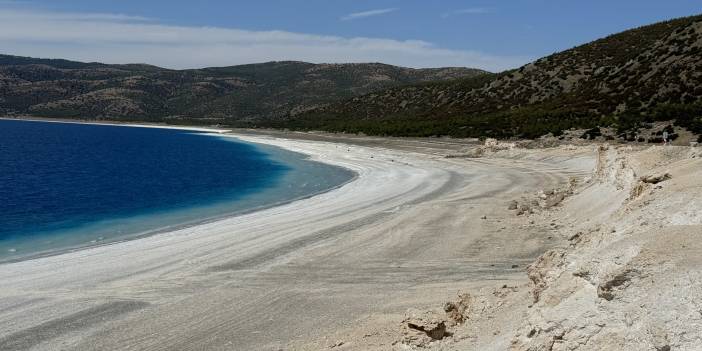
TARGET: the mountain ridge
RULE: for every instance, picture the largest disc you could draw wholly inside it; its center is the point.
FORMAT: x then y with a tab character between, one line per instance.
230	94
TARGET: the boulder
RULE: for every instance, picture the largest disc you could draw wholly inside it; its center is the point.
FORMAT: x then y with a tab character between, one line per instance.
457	311
554	200
655	179
422	328
513	205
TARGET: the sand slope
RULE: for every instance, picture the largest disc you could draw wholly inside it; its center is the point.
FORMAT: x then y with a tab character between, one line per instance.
629	275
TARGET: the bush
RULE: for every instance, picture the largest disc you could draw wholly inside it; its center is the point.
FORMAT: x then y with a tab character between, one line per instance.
591	133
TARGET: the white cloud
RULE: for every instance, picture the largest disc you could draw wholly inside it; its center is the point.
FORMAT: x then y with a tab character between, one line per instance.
115	17
370	13
469	11
125	39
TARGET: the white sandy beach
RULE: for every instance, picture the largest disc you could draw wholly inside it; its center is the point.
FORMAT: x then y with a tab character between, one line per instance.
412	230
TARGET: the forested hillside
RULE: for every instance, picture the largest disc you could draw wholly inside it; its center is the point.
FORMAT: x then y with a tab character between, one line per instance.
60	88
644	74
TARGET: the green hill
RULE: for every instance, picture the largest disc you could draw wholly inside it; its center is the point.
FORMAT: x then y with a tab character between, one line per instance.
68	89
625	80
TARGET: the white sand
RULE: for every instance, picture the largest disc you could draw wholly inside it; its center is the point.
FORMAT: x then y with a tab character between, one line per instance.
407	231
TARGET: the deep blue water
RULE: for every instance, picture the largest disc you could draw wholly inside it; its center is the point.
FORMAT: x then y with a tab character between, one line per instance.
70	185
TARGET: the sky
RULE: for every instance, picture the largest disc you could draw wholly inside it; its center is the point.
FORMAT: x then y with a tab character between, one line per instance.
492	35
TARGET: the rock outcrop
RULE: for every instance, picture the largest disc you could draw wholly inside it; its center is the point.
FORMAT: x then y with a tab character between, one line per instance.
630	276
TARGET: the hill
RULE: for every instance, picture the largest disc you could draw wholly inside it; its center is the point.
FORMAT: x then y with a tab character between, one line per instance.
68	89
624	80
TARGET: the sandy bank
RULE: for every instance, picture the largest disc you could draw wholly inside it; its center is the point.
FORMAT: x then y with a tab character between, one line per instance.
627	276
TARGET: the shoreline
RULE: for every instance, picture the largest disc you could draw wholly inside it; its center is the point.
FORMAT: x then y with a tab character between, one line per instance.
118	124
279	154
395	237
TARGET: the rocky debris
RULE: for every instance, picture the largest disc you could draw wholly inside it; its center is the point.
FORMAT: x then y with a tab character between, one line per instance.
457	311
553	200
659	338
645	183
575	238
476	152
638	190
496	145
472	152
540	271
655	179
513	205
607	288
541	201
524	209
337	344
504	291
613	168
421	328
490	146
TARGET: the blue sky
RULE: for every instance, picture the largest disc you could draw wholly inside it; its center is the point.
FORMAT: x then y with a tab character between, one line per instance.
494	35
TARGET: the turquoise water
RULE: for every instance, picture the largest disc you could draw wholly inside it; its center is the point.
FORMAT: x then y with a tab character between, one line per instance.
67	186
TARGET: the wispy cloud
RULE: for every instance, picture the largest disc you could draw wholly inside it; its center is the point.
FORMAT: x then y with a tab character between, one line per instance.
365	14
119	39
469	11
109	17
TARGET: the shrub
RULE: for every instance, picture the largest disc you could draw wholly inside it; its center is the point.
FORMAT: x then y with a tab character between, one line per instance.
592	133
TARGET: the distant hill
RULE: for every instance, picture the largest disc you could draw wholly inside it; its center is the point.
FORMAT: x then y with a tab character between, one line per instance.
624	80
68	89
